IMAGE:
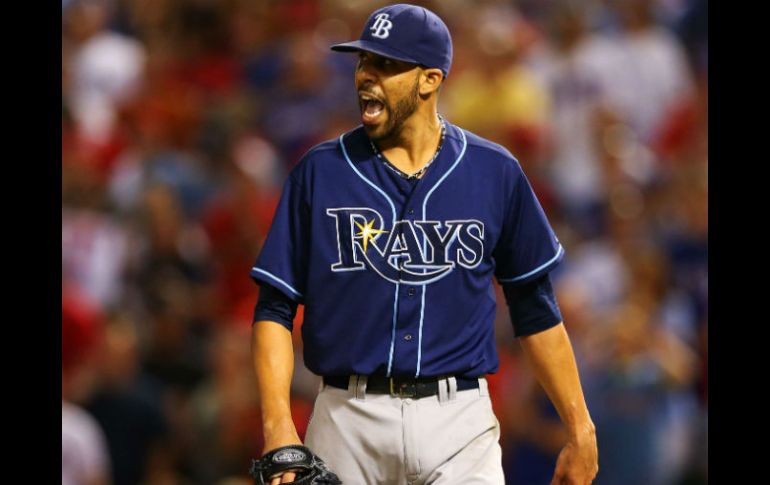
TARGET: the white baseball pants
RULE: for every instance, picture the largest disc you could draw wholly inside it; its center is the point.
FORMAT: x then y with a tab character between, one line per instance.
377	439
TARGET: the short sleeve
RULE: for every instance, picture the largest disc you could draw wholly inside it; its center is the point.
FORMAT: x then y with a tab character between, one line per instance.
273	305
282	262
528	247
532	306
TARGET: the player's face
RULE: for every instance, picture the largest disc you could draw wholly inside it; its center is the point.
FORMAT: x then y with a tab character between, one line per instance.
388	93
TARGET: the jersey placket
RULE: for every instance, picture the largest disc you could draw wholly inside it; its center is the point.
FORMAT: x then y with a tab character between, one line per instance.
411	302
408	200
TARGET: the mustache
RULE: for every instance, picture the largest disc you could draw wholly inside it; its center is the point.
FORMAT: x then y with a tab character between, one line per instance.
371	94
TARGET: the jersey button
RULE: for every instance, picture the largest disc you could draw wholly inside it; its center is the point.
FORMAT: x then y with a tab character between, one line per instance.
408	336
411	292
411	211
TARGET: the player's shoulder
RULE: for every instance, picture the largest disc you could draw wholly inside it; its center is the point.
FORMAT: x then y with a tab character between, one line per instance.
322	160
485	146
483	150
320	154
321	151
335	148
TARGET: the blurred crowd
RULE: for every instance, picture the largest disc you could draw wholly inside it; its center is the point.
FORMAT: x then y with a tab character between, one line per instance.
180	122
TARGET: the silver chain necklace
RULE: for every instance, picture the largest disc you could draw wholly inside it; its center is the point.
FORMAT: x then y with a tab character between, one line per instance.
418	173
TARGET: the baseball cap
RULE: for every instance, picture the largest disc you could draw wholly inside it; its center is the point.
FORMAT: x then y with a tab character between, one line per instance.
406	33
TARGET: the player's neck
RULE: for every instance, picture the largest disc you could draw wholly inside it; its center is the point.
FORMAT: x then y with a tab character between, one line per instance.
415	144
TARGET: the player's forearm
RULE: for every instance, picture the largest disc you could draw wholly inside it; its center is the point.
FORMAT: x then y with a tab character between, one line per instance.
553	361
273	357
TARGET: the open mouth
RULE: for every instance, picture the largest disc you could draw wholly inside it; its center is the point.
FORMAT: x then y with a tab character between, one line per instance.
371	108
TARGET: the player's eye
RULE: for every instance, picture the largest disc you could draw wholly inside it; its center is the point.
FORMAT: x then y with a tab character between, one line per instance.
364	59
384	64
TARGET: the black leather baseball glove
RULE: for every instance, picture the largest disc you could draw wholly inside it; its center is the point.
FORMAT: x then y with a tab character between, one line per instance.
310	469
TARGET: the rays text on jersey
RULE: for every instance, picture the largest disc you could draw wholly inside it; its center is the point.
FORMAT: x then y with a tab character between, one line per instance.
413	252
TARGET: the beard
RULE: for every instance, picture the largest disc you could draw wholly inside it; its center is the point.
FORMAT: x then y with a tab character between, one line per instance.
399	113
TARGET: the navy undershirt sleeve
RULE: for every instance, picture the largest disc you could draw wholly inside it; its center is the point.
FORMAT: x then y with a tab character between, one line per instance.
275	306
532	306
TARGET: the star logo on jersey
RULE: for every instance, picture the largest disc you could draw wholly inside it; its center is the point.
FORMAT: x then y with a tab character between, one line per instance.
413	252
368	232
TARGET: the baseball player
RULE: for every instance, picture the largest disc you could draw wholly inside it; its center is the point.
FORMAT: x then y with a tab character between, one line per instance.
390	236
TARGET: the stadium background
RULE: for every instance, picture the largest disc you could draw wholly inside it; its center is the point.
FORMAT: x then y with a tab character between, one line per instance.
180	121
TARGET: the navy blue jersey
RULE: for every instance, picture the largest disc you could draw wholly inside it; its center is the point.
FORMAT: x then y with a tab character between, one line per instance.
395	275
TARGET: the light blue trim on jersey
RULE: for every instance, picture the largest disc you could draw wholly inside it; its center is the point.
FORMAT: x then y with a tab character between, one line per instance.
393	331
393	209
454	165
278	280
517	278
425	247
419	337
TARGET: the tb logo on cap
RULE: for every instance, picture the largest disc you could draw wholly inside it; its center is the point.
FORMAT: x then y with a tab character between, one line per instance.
381	26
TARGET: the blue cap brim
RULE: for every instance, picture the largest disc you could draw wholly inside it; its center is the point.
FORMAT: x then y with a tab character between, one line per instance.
379	49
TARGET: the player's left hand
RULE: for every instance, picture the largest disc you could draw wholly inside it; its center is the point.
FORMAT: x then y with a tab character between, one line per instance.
578	461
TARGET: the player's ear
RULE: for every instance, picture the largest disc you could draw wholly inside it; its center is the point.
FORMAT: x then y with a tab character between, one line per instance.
430	81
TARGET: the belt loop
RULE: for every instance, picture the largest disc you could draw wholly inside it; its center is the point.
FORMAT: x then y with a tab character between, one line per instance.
452	388
483	386
321	386
352	385
361	388
443	390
